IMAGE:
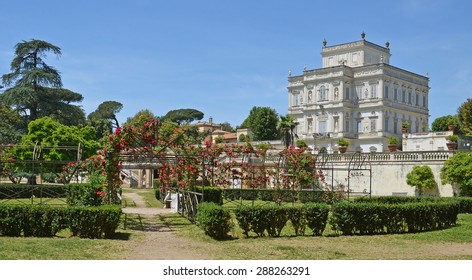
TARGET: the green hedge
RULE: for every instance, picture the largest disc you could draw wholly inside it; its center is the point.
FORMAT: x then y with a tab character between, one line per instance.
214	219
84	195
18	191
44	221
273	218
464	202
211	194
284	195
374	218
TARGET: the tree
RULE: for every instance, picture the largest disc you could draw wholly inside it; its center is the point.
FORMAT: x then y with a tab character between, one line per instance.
226	126
441	123
458	169
36	88
107	110
422	178
286	125
181	116
464	113
262	121
10	126
140	118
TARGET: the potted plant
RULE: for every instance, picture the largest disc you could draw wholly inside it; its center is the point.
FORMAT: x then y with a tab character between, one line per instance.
452	142
392	143
451	127
405	127
342	145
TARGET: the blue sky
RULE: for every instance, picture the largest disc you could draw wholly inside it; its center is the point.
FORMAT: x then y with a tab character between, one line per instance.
224	57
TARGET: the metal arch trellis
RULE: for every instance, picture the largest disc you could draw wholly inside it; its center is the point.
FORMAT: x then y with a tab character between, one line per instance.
358	164
36	190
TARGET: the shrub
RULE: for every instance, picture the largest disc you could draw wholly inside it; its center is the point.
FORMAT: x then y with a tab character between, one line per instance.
316	216
45	221
422	177
373	218
343	142
211	194
393	140
94	222
84	195
214	219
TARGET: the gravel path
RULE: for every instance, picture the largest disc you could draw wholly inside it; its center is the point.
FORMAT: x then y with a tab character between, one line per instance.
161	242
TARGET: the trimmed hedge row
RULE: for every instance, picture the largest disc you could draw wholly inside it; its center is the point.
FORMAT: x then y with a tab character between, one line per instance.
465	203
46	221
211	194
273	218
374	218
214	219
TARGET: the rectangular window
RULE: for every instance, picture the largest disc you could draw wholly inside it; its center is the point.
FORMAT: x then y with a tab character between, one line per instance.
373	125
395	94
358	92
373	91
403	96
347	94
385	125
386	92
424	101
395	128
322	127
346	126
359	126
417	98
409	98
295	100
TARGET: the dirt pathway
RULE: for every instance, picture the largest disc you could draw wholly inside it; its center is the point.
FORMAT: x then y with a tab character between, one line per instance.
160	242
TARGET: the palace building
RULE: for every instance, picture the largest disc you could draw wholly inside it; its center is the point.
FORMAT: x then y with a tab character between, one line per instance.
359	96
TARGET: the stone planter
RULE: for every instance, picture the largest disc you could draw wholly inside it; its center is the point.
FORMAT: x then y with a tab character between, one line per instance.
342	149
404	130
451	127
392	147
451	146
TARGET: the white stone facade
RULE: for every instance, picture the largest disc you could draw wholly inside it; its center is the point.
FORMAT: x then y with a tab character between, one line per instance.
357	95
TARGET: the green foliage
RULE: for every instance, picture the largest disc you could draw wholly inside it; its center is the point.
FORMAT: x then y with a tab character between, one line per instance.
218	139
11	127
421	177
458	169
464	114
36	88
85	195
94	222
211	194
367	218
441	124
44	221
286	126
405	125
47	132
107	111
272	218
343	142
242	138
262	121
393	140
214	219
181	116
316	216
452	138
226	126
301	144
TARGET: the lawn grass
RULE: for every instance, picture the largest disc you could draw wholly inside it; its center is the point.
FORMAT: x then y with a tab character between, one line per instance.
452	243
